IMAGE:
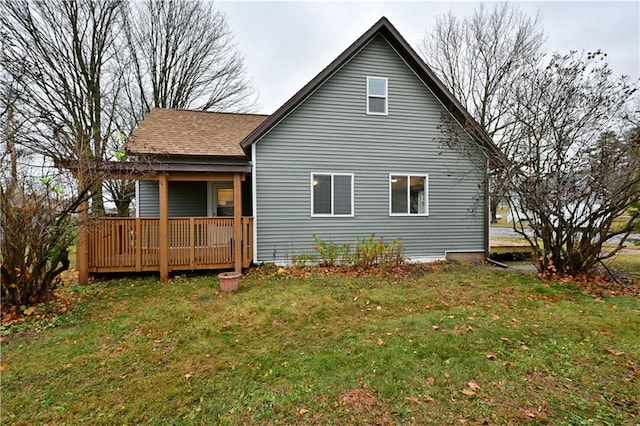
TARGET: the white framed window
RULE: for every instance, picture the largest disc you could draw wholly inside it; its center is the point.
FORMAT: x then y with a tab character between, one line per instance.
331	194
377	95
408	194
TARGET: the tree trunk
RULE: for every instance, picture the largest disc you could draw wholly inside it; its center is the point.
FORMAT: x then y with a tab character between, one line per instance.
97	202
493	207
123	206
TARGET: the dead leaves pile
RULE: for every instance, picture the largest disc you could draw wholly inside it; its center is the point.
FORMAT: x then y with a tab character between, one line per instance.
364	405
598	284
60	304
271	271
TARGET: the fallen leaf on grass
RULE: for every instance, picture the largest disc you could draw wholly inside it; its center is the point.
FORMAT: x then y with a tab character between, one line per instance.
492	356
428	398
188	376
413	399
302	410
529	413
473	385
430	381
380	342
525	347
435	327
3	367
615	353
468	392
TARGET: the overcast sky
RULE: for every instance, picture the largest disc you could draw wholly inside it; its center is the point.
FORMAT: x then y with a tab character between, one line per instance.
285	44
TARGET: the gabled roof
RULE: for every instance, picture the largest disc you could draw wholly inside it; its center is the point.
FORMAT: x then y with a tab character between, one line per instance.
197	133
389	32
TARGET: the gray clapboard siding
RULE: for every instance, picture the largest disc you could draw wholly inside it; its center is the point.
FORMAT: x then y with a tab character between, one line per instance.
185	199
330	132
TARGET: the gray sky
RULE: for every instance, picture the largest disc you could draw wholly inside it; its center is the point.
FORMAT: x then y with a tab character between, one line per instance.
285	44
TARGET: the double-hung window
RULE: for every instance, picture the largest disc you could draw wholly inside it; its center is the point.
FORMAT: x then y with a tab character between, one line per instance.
331	194
377	95
408	194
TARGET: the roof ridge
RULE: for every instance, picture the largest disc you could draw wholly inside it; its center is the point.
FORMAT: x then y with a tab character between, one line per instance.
210	112
384	28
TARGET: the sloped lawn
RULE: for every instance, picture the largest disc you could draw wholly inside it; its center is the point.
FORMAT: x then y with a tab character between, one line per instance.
445	345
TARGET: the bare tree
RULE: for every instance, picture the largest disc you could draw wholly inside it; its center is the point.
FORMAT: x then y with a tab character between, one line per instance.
479	59
175	54
60	50
182	55
578	167
38	206
37	218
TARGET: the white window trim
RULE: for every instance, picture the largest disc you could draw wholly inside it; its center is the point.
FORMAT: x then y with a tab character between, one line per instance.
332	197
386	97
426	194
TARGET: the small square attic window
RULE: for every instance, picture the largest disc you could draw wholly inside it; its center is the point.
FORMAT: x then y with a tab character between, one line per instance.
377	99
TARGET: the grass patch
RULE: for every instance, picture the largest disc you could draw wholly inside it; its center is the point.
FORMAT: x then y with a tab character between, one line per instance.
451	344
629	263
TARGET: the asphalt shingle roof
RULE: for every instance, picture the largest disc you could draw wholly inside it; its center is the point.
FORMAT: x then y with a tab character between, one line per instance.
183	132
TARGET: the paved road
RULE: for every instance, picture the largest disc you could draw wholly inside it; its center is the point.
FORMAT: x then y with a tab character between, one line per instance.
509	232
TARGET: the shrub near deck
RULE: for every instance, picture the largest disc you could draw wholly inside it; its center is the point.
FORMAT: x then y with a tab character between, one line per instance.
453	343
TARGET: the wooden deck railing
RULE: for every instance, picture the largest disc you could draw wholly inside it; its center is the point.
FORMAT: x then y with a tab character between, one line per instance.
133	244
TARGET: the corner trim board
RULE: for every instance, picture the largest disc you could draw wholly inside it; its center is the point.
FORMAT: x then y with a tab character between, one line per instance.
254	201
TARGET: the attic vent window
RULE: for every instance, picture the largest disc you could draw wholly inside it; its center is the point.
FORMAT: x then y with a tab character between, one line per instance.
377	99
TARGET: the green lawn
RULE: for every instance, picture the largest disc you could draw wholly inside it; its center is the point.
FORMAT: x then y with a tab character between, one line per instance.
449	345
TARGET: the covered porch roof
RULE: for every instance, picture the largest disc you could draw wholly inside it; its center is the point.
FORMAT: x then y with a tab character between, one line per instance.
173	132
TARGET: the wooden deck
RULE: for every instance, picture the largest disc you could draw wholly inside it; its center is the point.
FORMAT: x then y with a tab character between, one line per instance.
133	244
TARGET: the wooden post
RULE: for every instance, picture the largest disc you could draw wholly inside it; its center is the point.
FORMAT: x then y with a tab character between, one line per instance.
138	243
237	219
192	242
82	247
163	187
